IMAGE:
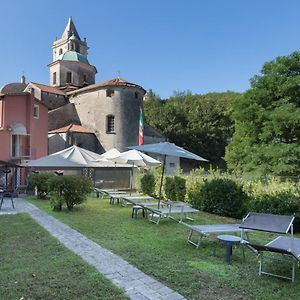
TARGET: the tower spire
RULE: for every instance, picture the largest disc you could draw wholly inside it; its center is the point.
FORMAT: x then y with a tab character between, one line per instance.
70	30
70	65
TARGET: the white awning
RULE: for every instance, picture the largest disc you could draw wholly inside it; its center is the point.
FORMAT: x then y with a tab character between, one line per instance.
17	129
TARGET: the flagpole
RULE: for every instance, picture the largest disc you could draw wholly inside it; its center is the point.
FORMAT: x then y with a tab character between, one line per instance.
161	180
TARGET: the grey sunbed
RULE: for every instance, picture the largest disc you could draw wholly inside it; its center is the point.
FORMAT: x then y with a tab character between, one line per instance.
284	245
156	214
206	230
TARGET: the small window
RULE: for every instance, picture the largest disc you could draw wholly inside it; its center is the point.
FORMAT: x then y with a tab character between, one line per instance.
69	77
136	95
36	111
60	51
109	93
70	139
110	124
172	165
84	78
54	78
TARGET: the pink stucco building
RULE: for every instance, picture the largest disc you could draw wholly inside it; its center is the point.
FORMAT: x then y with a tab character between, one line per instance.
23	124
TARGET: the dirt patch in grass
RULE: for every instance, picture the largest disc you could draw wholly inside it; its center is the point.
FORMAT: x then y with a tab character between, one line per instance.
221	293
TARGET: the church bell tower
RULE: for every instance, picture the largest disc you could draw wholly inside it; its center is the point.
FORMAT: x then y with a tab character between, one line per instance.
70	68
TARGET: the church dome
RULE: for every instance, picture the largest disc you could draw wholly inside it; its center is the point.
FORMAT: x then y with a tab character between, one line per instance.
74	56
13	88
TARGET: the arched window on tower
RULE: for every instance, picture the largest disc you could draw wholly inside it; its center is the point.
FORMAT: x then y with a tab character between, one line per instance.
60	51
69	77
54	78
110	124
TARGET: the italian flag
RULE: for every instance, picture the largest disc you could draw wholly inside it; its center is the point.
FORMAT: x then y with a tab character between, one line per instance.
141	128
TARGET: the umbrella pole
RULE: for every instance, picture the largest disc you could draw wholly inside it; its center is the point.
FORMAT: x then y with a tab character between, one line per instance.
6	177
131	179
161	180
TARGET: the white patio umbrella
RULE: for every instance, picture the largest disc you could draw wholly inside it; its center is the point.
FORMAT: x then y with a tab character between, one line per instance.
136	159
72	157
164	149
111	153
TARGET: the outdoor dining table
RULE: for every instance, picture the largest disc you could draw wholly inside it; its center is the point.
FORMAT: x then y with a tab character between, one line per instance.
229	241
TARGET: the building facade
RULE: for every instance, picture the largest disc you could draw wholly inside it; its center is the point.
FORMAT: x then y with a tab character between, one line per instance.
109	109
23	125
72	108
23	130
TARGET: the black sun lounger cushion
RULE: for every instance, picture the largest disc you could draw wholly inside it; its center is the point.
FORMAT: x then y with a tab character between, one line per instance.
282	245
267	222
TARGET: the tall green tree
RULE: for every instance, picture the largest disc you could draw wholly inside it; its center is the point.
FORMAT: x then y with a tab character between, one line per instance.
200	123
267	121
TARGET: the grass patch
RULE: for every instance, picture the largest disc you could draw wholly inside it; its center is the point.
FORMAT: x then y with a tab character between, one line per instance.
162	252
34	265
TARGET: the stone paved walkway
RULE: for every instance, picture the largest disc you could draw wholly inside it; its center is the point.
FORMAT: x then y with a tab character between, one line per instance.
137	285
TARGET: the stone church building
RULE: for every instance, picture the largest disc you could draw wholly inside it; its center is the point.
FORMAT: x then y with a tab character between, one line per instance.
95	116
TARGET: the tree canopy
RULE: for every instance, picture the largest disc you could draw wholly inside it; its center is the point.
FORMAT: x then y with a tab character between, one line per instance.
199	123
267	121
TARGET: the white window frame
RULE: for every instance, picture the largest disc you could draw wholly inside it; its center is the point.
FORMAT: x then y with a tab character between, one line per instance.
109	119
36	108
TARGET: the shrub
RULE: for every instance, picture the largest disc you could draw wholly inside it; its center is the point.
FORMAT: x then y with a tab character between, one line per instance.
175	188
71	190
40	181
148	184
220	196
169	188
180	188
283	203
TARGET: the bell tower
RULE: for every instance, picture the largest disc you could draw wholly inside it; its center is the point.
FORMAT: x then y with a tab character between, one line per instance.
70	68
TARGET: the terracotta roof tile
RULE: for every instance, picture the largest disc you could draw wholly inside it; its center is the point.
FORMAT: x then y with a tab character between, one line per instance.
112	82
72	128
13	88
48	89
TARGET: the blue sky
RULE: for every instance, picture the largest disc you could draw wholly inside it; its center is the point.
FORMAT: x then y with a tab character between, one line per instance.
163	45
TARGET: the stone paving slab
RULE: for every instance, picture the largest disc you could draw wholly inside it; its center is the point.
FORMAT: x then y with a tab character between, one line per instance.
136	284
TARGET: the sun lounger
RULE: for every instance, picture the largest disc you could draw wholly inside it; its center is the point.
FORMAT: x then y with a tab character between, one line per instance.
206	230
108	192
285	245
115	196
156	214
134	199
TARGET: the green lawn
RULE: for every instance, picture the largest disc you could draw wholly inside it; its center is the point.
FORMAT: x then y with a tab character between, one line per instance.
162	252
34	265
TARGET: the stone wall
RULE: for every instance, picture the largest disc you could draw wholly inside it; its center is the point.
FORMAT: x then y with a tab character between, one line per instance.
94	106
53	100
77	69
62	116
